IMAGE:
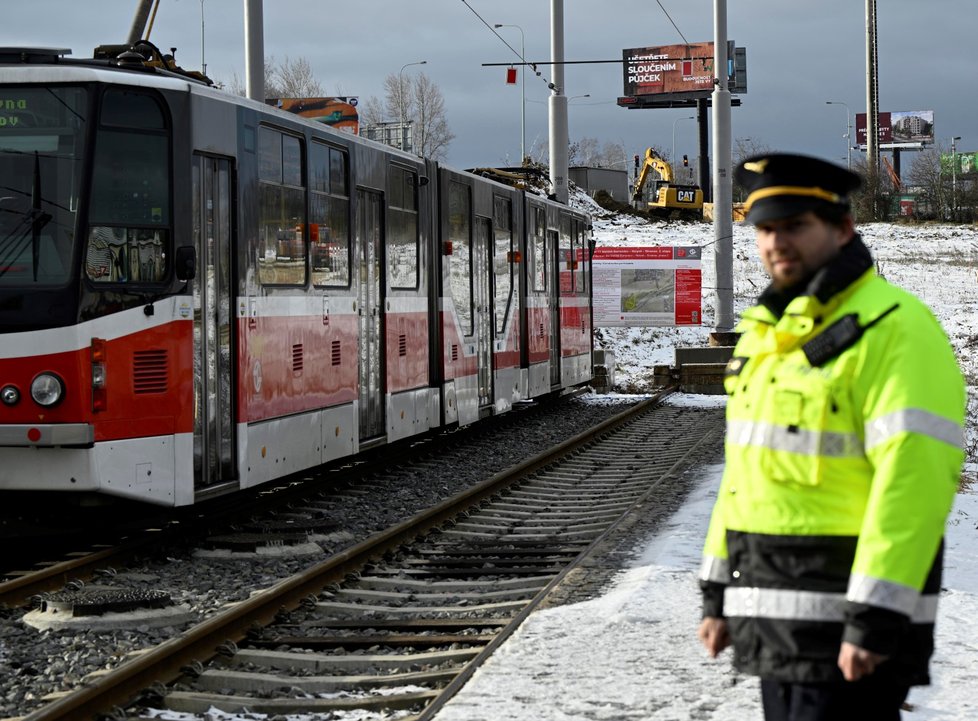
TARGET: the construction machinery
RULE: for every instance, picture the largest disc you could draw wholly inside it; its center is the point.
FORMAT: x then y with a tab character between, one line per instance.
666	199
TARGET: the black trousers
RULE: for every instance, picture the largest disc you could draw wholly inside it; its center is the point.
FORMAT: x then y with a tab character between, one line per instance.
873	698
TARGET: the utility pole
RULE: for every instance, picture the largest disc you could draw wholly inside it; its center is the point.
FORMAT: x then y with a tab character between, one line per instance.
722	180
872	92
558	105
254	50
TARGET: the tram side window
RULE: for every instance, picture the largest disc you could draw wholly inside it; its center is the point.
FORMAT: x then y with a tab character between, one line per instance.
565	257
282	219
459	262
577	240
501	258
129	211
329	216
584	256
402	237
539	251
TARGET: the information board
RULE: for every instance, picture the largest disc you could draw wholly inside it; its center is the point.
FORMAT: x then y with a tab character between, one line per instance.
647	286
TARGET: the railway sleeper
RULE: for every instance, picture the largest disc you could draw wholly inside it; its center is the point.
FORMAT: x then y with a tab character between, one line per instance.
351	663
524	593
387	640
398	584
201	703
500	609
245	682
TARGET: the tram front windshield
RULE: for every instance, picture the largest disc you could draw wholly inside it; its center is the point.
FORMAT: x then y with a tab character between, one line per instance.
42	134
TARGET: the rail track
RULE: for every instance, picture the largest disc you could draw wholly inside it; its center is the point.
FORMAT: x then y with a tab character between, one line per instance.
65	558
400	621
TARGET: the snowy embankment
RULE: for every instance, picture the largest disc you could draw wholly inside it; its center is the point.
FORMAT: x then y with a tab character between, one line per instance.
937	262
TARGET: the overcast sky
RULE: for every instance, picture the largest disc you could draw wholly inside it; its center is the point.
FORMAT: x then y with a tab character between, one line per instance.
799	55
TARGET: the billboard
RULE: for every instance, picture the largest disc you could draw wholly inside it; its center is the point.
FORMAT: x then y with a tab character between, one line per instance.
668	69
960	164
911	128
340	113
647	286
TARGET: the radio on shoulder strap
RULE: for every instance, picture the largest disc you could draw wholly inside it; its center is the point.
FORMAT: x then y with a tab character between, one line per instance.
837	337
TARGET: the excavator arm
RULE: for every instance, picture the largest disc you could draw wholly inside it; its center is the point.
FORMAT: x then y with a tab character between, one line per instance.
652	162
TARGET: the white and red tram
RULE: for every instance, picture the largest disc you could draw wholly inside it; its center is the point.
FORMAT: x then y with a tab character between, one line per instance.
200	293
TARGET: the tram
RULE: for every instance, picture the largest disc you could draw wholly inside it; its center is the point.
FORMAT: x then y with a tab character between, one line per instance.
200	293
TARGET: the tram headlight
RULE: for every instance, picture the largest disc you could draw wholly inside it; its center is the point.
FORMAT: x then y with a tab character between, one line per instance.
47	389
9	395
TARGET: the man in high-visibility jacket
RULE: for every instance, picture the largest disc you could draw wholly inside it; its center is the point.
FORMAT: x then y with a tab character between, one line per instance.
845	416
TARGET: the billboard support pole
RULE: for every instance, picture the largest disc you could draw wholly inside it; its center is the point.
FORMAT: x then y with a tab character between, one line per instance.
872	94
722	180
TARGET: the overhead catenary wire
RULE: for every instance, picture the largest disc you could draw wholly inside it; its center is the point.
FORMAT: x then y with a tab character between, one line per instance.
666	12
515	52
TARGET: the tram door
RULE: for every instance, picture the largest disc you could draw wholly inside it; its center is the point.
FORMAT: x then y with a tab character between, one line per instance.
553	304
370	215
482	301
214	342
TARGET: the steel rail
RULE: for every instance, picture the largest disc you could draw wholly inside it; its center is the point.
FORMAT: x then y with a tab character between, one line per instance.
18	591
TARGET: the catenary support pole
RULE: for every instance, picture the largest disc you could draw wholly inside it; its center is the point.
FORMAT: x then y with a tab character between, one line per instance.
722	181
254	50
558	105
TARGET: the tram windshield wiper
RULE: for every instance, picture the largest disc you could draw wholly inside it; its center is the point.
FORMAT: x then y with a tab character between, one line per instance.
32	221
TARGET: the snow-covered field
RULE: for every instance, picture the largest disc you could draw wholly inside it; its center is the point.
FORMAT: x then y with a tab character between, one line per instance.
938	263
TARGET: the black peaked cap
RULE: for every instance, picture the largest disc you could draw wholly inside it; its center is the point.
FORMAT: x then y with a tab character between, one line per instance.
781	185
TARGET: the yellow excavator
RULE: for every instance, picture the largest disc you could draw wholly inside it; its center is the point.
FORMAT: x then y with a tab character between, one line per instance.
665	199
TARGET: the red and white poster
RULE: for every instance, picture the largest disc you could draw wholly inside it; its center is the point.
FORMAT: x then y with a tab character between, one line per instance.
647	286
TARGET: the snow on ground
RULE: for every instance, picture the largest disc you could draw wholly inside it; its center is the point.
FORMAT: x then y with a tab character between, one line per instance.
633	653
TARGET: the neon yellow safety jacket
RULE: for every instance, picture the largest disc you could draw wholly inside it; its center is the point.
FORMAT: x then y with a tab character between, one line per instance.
843	452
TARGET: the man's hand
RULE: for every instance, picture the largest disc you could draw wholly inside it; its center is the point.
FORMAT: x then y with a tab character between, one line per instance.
714	635
856	662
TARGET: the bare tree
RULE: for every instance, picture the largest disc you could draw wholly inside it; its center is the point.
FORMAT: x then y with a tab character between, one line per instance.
875	197
417	100
372	111
296	79
932	187
432	134
290	79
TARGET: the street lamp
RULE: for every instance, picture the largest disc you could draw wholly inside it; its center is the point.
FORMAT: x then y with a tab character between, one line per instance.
691	117
588	95
522	89
400	99
848	135
954	176
203	65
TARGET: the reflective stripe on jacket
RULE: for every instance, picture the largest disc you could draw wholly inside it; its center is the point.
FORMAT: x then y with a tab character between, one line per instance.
839	477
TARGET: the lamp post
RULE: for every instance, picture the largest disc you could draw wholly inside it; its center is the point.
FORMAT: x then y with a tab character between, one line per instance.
848	135
522	89
203	65
400	99
954	176
586	95
690	117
